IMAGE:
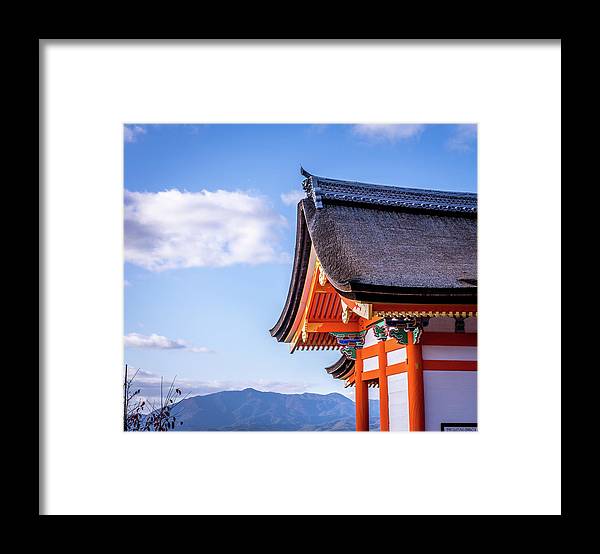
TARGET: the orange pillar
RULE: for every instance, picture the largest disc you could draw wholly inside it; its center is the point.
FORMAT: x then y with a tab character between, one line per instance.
384	411
362	395
416	396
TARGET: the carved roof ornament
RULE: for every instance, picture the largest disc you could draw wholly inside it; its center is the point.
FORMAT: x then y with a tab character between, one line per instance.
324	189
364	310
311	187
322	276
398	329
345	312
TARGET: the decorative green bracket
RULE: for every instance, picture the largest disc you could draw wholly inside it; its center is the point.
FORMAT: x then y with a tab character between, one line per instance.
356	339
350	341
380	330
400	335
349	352
398	329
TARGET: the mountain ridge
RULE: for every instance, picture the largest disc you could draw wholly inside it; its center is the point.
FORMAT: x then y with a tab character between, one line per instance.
253	410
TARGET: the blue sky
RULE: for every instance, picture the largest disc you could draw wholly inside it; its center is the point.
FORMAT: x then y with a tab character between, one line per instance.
209	236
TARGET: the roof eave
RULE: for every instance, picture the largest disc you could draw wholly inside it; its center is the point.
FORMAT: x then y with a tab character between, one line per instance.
301	257
412	295
443	202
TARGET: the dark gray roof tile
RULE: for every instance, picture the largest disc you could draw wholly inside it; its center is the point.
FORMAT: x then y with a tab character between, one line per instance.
341	369
323	190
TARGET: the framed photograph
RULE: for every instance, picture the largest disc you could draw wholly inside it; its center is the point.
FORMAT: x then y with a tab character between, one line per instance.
382	280
267	259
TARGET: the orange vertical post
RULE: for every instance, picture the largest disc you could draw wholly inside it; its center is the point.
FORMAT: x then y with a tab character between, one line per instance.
416	394
362	395
384	410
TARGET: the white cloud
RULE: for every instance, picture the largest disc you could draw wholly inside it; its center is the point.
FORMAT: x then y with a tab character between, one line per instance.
292	197
390	133
176	229
463	139
131	132
199	349
137	340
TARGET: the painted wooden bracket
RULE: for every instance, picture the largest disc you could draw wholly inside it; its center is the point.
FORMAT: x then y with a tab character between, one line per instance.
399	328
350	342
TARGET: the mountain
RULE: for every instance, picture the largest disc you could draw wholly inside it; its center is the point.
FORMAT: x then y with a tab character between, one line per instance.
252	410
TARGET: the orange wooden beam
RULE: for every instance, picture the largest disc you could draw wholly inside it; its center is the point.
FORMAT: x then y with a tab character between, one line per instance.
362	395
326	288
331	326
394	369
391	345
369	351
416	396
314	283
384	411
370	375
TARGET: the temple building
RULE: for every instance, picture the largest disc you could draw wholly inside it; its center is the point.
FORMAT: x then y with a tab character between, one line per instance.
387	276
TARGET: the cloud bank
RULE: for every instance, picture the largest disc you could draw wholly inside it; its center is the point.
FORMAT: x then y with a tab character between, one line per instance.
463	139
158	342
176	229
389	133
292	197
131	132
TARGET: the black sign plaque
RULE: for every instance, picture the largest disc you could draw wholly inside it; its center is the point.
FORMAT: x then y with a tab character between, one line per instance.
459	427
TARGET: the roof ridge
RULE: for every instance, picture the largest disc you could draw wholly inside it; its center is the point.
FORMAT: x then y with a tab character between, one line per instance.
322	189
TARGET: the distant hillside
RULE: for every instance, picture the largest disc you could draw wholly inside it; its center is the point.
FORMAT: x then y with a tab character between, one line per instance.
252	410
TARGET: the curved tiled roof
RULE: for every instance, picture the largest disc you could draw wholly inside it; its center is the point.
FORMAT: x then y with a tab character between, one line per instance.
341	369
368	252
301	261
387	244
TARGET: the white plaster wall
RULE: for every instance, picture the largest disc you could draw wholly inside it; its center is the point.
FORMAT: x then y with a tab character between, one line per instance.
440	325
468	353
396	356
371	363
471	325
373	414
370	339
447	325
398	402
450	397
